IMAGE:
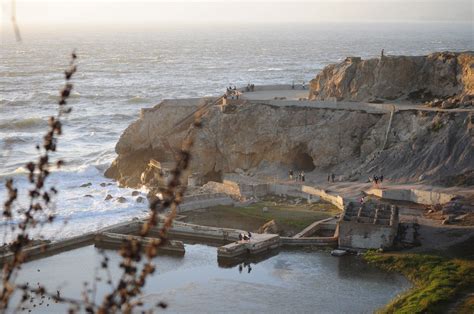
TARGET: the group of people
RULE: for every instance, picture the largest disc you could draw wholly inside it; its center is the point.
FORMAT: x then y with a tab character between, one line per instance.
245	265
297	177
376	179
331	177
303	85
232	93
245	237
250	88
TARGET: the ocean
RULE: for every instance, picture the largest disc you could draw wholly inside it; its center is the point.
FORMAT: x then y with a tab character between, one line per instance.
123	70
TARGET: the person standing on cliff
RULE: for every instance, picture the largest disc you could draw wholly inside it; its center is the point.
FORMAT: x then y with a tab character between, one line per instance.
333	176
302	176
381	55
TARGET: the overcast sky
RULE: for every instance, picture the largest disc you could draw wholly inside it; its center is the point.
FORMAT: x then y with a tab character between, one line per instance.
149	12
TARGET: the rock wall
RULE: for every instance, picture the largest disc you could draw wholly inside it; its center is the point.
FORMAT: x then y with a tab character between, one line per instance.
144	139
418	78
421	146
429	146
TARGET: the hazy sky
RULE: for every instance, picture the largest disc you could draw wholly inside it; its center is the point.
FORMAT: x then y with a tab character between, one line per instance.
150	12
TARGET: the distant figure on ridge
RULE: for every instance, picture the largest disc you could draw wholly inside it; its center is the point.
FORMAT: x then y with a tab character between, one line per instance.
333	176
381	55
302	176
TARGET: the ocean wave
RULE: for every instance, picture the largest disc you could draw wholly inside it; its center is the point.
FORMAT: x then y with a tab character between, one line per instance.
13	103
10	141
55	96
22	124
264	69
137	100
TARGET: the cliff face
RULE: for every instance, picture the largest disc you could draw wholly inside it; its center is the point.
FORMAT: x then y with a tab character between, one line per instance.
421	145
438	75
432	146
144	139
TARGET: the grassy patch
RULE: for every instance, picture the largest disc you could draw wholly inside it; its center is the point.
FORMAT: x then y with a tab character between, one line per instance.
297	216
438	282
291	217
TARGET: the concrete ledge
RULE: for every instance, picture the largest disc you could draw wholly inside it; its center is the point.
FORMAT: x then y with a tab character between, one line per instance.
312	228
49	249
413	195
309	241
199	232
262	189
204	201
109	240
258	244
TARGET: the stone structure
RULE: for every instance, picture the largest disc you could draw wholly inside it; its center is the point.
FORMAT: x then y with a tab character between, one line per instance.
368	226
413	195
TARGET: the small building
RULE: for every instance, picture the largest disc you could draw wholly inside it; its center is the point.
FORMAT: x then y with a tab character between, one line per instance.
368	226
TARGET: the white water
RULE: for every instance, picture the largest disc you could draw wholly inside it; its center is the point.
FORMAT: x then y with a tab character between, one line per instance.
123	71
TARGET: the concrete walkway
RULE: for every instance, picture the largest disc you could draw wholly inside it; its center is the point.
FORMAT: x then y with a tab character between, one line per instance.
267	94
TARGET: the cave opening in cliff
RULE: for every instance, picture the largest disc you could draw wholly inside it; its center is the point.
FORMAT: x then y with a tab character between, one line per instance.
213	175
301	160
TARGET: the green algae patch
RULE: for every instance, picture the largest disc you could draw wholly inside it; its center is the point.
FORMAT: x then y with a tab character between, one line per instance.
438	282
290	217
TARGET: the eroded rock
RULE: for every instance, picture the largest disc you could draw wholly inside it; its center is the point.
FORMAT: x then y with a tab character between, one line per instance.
422	78
121	199
269	227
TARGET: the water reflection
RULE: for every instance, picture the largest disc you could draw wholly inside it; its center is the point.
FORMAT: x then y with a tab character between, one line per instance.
285	281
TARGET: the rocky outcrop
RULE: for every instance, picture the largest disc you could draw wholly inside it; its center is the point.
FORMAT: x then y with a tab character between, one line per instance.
417	78
151	136
408	145
421	145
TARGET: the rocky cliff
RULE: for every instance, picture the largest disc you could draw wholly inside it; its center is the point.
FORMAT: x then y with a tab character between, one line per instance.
409	145
421	78
421	145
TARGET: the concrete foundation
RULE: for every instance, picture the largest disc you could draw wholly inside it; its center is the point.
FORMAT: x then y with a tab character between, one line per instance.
368	226
413	195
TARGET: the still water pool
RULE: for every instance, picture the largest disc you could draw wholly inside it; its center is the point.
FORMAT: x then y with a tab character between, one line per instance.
289	282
